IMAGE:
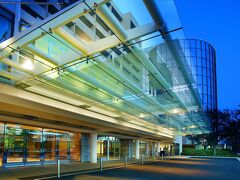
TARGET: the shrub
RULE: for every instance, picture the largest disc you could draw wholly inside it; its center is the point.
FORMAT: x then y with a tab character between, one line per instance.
208	152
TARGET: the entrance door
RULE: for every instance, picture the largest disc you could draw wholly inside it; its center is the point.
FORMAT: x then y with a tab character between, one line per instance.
14	143
114	149
34	140
49	137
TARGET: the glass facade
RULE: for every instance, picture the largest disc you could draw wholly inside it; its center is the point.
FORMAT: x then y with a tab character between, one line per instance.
142	148
1	142
6	24
20	144
6	31
108	147
200	57
191	64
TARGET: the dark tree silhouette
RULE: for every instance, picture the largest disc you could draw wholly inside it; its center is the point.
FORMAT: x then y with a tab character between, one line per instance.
225	126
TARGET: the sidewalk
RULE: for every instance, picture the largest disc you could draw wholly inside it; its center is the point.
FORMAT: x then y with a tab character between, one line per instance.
39	172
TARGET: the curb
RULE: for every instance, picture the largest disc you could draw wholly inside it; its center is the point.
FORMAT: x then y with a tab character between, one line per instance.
214	157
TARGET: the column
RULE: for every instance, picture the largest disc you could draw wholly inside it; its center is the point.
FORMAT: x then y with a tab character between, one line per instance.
158	148
180	146
137	149
147	149
93	145
178	140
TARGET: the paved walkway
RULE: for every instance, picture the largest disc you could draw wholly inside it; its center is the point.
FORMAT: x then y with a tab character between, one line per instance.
38	172
174	169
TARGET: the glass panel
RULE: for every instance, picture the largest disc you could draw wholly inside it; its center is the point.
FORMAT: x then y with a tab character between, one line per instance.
114	149
34	141
63	144
14	143
100	148
6	23
143	148
1	141
75	146
49	138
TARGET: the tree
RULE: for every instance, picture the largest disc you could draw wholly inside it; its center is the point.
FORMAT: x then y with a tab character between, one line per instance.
231	132
225	126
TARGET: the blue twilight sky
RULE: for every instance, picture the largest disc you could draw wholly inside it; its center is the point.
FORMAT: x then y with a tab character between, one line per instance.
217	22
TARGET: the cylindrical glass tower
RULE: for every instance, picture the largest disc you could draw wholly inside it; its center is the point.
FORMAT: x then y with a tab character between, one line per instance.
191	67
201	57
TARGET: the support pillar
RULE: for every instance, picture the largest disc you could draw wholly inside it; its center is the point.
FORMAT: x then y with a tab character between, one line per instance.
93	145
180	147
147	149
158	148
178	139
137	154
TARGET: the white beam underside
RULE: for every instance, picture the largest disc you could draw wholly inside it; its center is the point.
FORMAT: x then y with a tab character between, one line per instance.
19	94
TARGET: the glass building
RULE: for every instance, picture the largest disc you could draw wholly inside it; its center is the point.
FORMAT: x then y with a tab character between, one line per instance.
21	144
84	80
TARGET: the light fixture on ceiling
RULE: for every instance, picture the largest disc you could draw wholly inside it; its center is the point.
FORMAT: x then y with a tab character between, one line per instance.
28	64
192	127
178	111
142	115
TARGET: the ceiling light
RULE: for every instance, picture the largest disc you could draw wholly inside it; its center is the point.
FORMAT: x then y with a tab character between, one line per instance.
192	126
142	115
27	64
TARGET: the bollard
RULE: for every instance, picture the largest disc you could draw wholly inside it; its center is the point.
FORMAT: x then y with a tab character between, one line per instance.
162	156
58	168
101	163
125	161
142	159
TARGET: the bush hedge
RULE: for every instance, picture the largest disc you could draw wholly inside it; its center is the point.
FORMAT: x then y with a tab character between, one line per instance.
208	152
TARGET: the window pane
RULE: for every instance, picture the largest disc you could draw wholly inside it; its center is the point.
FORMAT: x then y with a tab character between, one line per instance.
34	141
14	143
1	142
75	146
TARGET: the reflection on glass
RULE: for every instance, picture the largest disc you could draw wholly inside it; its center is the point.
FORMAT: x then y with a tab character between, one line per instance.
100	148
108	144
32	144
34	140
143	148
75	146
1	142
49	138
62	145
114	149
14	143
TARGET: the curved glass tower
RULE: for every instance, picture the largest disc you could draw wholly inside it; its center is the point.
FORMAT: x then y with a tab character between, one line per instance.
192	67
202	61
